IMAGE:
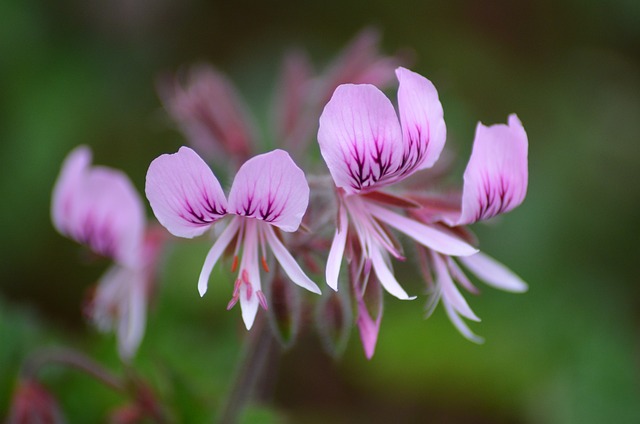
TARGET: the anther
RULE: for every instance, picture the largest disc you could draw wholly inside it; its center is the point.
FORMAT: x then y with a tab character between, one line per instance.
262	299
234	265
264	264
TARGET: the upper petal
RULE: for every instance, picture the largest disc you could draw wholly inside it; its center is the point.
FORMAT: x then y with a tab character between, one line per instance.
184	194
99	207
272	188
360	138
495	180
423	128
71	175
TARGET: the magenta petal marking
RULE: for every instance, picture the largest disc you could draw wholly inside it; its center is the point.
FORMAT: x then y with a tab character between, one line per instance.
495	180
423	128
272	188
360	138
184	194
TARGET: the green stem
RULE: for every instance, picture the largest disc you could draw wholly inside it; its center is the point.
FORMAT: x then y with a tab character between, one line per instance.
260	355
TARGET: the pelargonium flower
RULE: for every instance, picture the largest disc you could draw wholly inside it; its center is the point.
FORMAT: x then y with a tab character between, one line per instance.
495	182
99	207
269	192
367	148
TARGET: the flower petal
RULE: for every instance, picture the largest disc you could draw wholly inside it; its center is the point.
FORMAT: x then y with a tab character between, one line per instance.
337	249
215	252
495	180
494	273
421	116
288	263
133	316
71	175
426	235
369	327
462	327
184	194
100	208
360	138
386	277
450	293
272	188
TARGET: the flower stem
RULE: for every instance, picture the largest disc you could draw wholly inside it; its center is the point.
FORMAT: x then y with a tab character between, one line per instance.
254	376
74	359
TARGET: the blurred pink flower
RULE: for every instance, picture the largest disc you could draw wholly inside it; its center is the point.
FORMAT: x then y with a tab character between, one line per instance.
366	148
268	191
495	182
211	114
99	208
32	403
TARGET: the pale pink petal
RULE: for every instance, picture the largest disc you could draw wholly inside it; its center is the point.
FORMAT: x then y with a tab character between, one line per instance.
337	249
360	138
421	116
72	174
133	316
272	188
215	252
494	273
460	324
426	235
287	262
100	208
450	293
385	275
184	194
495	180
250	274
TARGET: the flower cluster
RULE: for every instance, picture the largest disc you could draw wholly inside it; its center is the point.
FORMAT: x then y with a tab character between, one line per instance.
352	218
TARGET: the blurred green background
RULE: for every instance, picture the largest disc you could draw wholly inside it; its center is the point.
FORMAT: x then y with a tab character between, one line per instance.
78	72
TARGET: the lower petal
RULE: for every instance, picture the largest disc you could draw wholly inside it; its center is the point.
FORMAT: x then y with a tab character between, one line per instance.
214	254
288	263
423	234
337	250
494	273
386	277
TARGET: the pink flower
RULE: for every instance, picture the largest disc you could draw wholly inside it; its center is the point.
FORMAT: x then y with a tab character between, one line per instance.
99	207
367	147
495	182
210	112
268	191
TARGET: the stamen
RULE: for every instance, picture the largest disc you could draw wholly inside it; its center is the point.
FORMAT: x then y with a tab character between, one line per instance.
234	265
236	288
264	264
245	276
232	302
262	299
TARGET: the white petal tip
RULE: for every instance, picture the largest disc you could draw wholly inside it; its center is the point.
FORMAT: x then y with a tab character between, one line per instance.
202	289
412	297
